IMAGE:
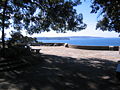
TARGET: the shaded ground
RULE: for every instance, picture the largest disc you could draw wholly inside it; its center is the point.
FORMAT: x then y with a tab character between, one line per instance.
63	73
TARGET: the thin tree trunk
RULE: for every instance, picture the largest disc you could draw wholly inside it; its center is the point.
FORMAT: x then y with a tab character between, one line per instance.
3	27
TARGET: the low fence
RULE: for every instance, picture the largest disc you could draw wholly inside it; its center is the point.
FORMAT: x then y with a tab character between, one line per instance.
114	48
47	44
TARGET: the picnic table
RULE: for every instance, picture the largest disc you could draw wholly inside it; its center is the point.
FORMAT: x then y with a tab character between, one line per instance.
32	49
36	50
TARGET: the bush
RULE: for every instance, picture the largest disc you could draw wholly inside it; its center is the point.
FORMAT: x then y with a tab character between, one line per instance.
15	52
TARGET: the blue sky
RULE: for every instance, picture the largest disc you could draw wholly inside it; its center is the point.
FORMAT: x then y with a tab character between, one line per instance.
89	19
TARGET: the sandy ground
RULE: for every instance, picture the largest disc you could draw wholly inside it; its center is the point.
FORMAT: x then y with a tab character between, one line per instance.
79	53
61	68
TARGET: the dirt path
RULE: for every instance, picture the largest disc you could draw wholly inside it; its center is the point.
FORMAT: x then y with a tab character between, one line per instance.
80	53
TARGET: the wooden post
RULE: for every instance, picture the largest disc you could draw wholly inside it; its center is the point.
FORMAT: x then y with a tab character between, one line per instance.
119	49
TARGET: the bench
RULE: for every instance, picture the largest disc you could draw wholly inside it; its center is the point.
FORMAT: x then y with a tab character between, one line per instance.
36	50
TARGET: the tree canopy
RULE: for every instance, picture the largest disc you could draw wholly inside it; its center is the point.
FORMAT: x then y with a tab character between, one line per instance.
41	15
110	10
37	16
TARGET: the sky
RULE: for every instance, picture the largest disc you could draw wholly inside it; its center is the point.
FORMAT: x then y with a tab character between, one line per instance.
89	19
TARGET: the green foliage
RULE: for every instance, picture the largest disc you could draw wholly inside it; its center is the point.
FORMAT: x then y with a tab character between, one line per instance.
110	10
41	15
17	46
18	38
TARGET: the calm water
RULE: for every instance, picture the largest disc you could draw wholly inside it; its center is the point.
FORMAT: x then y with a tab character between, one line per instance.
88	41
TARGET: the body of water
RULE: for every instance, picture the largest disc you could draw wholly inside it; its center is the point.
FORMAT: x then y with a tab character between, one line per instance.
87	41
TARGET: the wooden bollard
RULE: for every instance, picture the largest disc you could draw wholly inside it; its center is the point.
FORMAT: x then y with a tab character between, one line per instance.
118	71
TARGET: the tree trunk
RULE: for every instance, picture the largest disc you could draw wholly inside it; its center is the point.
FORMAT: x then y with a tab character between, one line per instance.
3	27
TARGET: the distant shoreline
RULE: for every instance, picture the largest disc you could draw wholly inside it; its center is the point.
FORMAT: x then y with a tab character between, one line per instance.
64	38
89	41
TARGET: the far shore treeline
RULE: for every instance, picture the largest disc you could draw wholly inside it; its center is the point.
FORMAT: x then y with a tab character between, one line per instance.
64	38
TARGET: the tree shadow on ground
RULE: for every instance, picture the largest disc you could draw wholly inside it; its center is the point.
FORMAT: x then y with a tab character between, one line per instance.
63	73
